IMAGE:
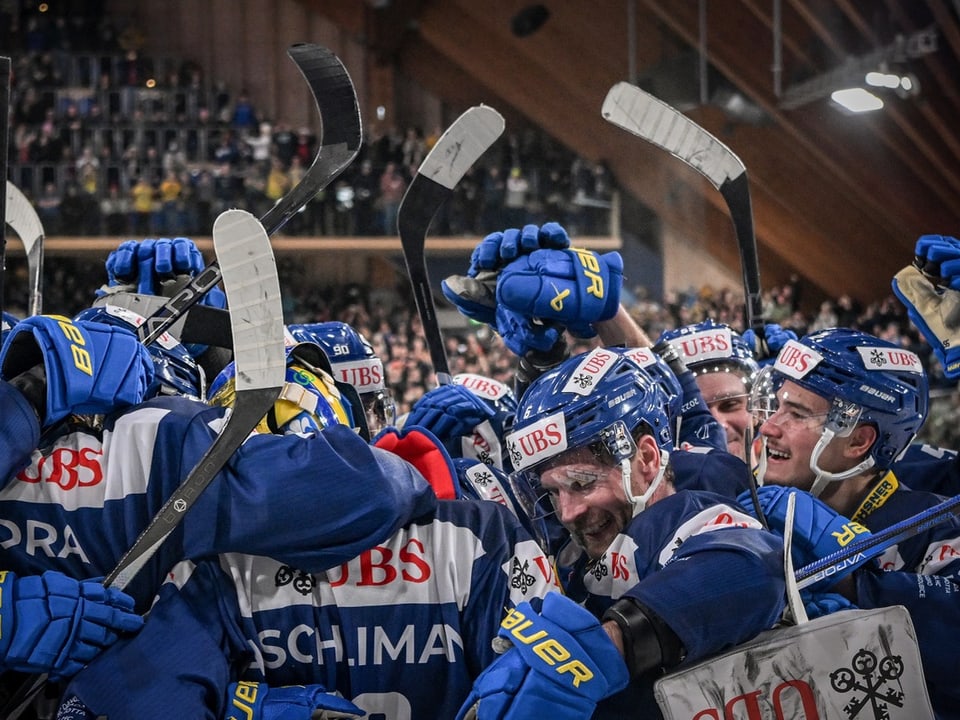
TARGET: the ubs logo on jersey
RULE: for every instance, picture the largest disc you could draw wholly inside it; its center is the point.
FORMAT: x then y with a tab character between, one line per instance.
66	467
382	566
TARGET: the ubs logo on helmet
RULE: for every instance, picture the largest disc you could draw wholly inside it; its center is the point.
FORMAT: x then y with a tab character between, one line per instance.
539	441
796	360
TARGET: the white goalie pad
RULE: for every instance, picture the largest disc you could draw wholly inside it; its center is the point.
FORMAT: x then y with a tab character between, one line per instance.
854	664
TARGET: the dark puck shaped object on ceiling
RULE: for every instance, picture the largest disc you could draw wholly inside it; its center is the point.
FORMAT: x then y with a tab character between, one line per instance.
528	20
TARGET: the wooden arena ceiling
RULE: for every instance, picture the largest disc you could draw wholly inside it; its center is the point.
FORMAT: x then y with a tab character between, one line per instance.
838	198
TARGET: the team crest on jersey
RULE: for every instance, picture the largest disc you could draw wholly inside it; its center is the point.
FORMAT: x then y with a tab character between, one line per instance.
590	371
520	576
713	344
300	581
616	571
885	358
541	440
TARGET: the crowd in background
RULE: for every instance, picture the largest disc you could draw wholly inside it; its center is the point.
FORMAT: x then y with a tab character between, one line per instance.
101	153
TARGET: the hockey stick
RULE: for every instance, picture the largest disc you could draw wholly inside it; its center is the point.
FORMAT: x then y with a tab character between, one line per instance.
876	544
455	152
645	116
341	133
23	219
253	296
4	139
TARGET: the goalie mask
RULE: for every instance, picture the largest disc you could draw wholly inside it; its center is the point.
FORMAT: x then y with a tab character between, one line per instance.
354	362
309	400
601	400
867	381
175	370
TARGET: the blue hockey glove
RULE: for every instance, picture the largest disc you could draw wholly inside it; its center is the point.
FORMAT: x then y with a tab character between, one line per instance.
938	258
561	664
55	624
450	412
818	530
499	248
475	294
144	266
573	287
90	367
935	312
419	447
259	701
522	335
765	349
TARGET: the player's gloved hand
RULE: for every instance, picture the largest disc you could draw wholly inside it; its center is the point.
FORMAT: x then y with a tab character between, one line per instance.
259	701
449	412
561	675
938	258
573	287
89	367
52	623
499	248
765	349
523	335
475	294
935	312
146	266
818	604
419	447
818	530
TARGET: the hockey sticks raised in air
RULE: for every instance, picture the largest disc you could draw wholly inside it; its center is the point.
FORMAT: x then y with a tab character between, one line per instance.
256	319
23	220
640	113
341	134
859	552
455	152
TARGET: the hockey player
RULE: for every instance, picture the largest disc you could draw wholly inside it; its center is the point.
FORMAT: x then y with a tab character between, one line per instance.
592	436
354	362
76	493
724	368
401	630
846	405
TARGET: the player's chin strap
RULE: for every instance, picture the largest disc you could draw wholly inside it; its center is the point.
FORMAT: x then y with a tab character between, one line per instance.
842	418
639	502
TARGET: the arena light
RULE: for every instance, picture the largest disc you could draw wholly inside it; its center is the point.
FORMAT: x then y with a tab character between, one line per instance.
856	100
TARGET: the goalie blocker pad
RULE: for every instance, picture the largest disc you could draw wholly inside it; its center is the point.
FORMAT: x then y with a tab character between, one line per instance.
827	668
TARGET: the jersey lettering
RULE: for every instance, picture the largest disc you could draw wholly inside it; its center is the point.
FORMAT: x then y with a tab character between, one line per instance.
378	566
66	467
42	538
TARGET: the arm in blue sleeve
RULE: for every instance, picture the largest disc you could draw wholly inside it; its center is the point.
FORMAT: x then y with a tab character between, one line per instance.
698	426
19	431
313	503
720	589
933	602
178	666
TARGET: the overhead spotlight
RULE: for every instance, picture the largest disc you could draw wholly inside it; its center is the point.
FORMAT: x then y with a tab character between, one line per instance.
528	20
856	100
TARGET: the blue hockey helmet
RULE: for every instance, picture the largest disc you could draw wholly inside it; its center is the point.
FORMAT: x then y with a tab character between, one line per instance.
175	370
709	347
601	399
660	371
354	362
867	380
309	399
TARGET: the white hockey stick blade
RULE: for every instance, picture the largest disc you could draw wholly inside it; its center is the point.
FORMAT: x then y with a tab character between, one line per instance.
460	146
651	119
640	113
23	220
